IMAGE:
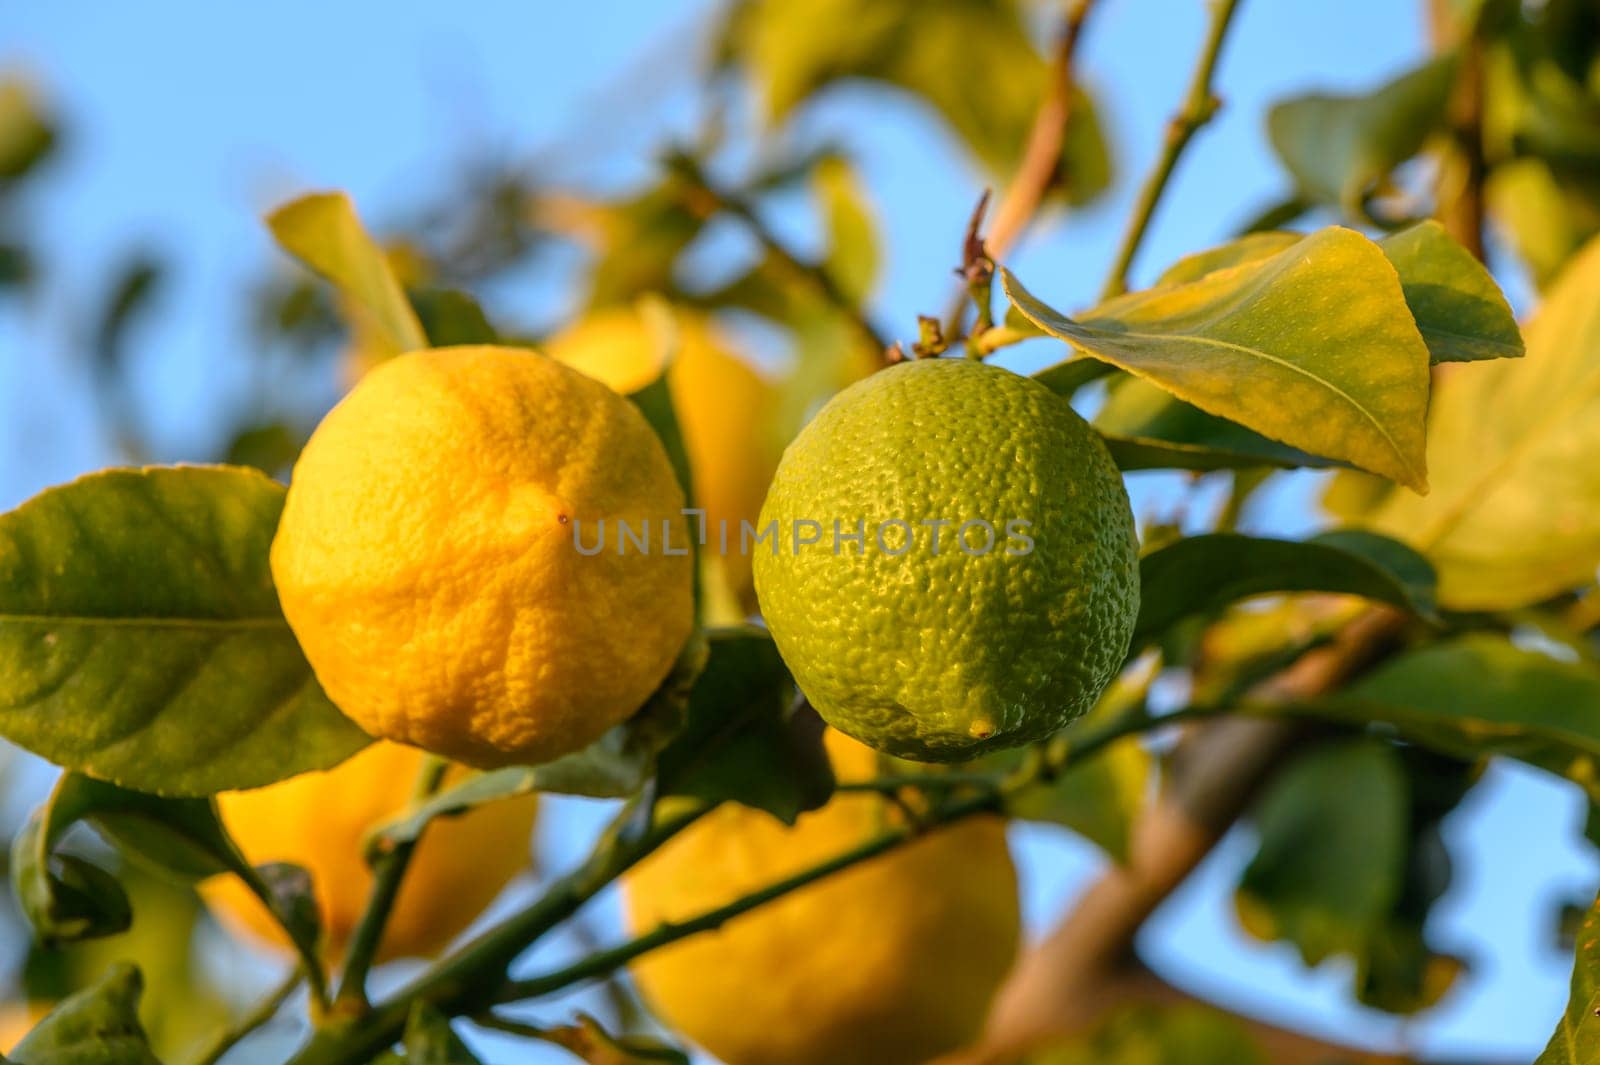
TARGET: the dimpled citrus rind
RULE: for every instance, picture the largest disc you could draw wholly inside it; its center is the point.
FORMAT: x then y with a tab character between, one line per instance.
428	556
892	962
939	657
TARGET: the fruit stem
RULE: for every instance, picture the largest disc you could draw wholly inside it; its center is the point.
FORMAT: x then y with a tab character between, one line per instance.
465	979
1198	108
389	870
262	1012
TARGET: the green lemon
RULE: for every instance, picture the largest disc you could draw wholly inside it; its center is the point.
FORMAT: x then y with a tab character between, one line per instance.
948	561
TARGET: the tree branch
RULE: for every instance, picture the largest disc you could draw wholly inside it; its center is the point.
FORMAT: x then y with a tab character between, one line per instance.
1199	105
1058	986
351	998
1041	157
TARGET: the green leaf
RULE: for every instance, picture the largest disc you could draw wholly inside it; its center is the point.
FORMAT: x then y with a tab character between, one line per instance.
1159	1035
1514	517
180	837
937	53
1577	1036
1479	695
1357	878
742	742
1326	873
1339	147
1313	347
1203	574
141	640
96	1026
1145	428
64	898
450	316
323	231
1459	309
1462	314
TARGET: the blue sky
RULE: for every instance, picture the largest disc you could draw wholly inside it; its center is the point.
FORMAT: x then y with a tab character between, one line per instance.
186	121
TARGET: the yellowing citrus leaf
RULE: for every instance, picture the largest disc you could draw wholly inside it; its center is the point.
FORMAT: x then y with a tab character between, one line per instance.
323	231
1313	347
1515	514
141	640
1461	312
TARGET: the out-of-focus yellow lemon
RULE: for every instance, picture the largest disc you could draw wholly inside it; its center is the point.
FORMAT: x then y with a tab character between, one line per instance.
888	963
319	820
728	412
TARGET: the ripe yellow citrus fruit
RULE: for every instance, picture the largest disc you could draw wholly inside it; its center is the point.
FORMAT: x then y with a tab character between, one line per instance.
890	962
953	565
727	411
319	821
437	556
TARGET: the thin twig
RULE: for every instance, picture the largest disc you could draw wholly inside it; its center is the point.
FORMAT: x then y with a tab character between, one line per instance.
1199	105
1041	158
816	275
1057	758
463	979
387	877
1036	174
258	1015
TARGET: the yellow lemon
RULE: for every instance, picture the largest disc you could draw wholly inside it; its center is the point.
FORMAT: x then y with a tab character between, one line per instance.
727	411
319	820
483	553
953	566
888	963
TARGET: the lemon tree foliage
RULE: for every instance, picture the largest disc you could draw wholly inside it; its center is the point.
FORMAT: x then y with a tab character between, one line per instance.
1357	879
1338	148
794	895
792	53
141	641
97	1026
1205	573
1313	347
1479	694
1512	518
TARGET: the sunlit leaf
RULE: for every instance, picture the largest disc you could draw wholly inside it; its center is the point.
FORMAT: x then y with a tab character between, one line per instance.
1577	1036
1201	574
1515	512
1461	312
1146	428
852	258
1459	309
323	231
1313	347
141	640
97	1026
1477	695
589	1041
1338	147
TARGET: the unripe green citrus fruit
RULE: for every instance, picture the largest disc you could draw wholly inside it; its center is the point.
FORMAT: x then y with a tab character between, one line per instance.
940	641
